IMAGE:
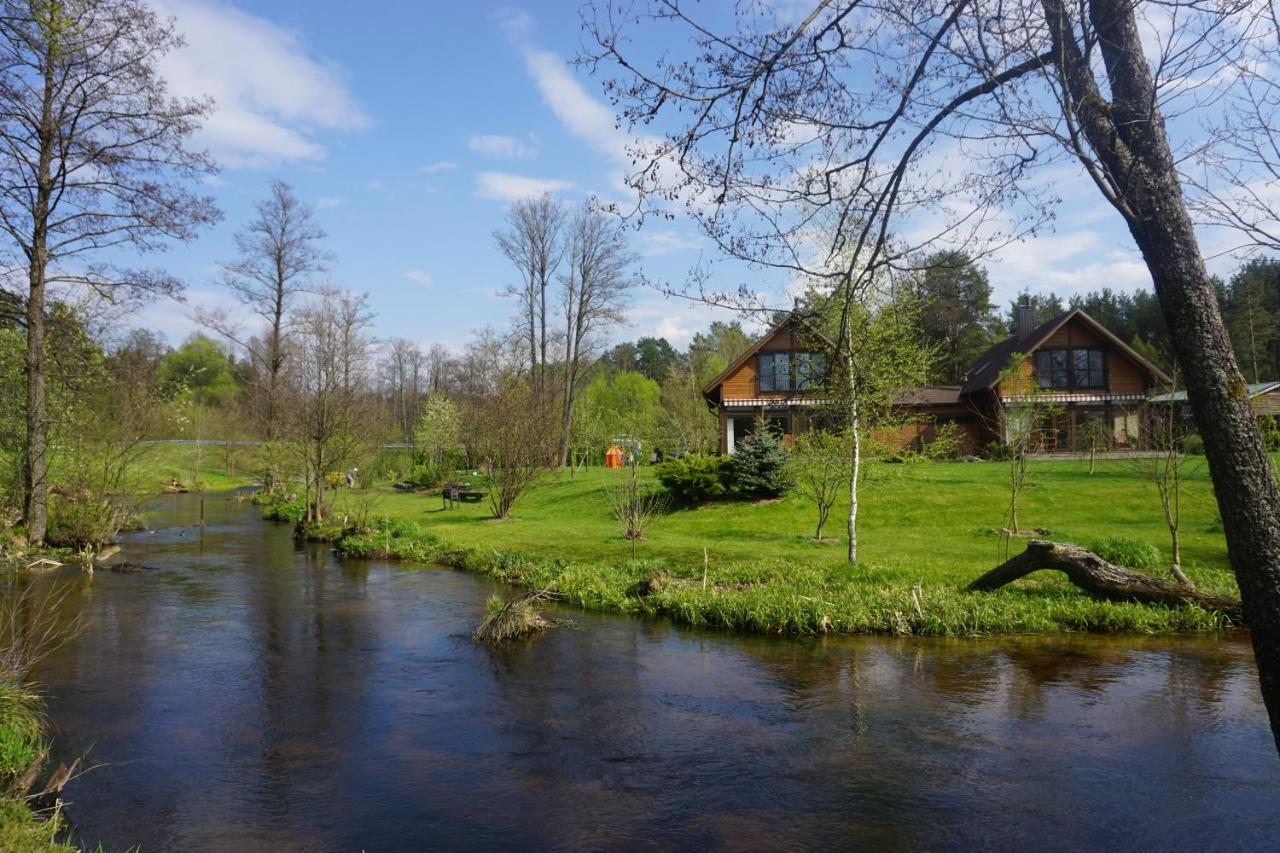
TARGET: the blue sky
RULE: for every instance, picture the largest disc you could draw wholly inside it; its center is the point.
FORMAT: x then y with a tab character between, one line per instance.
411	126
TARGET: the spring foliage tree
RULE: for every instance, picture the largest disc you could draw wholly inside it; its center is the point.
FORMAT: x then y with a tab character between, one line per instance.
874	353
94	157
821	462
438	431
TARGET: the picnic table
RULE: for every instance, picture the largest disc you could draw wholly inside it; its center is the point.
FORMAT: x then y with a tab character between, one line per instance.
457	492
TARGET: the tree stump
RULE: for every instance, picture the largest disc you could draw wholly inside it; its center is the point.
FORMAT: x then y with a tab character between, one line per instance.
1096	576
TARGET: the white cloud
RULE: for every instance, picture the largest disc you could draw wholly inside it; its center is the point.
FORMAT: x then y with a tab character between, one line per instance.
507	187
438	166
1066	264
271	94
500	147
658	243
327	201
418	277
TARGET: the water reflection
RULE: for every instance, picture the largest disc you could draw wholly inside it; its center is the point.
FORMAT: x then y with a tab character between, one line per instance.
252	694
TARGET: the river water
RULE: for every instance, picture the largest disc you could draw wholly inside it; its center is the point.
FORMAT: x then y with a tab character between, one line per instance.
250	694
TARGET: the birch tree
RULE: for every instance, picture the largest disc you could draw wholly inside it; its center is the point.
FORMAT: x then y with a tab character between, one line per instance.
94	157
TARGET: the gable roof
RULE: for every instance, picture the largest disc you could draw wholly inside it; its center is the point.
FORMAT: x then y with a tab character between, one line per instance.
986	368
791	319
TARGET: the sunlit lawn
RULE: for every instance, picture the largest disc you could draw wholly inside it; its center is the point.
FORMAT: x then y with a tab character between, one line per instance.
930	522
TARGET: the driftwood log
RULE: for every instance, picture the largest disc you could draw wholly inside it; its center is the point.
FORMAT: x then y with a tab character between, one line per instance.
1095	575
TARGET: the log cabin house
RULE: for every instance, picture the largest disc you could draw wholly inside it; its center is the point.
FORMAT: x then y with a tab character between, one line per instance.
1088	372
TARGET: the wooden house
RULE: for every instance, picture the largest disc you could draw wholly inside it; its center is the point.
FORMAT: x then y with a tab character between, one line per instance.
1088	372
1264	399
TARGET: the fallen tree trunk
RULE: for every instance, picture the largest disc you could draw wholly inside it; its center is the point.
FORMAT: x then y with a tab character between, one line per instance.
1095	575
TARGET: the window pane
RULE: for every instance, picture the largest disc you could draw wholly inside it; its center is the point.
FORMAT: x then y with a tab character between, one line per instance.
1059	375
766	372
1080	365
808	371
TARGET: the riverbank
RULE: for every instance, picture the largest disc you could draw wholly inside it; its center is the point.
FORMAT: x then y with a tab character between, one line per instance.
927	531
23	742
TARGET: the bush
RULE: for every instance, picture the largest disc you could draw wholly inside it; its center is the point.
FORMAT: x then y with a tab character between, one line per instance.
947	444
760	466
1128	552
1269	426
1193	445
694	477
83	519
428	476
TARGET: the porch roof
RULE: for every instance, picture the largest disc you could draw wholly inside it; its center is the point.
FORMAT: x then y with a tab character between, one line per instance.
1078	397
772	403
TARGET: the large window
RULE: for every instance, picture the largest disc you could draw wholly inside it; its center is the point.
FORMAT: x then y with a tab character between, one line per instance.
1071	368
810	371
775	371
791	371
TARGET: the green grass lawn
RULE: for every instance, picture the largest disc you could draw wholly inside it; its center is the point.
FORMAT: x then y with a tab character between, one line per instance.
925	531
199	468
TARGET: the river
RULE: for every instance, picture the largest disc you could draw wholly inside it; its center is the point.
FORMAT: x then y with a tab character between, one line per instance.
248	693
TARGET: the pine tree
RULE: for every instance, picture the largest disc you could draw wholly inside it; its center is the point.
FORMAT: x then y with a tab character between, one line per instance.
759	466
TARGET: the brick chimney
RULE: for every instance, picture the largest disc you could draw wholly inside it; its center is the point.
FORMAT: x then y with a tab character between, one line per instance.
1026	318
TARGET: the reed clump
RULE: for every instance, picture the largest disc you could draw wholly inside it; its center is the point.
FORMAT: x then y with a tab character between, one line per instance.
512	619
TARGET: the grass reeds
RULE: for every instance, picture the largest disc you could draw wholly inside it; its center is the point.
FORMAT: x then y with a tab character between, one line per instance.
511	619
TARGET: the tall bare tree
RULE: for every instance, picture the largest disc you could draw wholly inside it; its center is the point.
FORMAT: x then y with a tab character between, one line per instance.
404	368
278	255
533	240
594	296
93	157
328	416
854	109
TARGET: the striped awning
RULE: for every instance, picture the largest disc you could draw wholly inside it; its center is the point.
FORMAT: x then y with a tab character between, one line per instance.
772	403
1075	398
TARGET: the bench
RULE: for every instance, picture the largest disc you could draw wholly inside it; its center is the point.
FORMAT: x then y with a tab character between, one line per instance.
458	492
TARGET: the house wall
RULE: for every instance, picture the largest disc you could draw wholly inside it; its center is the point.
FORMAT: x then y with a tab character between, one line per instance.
743	383
1123	375
1267	404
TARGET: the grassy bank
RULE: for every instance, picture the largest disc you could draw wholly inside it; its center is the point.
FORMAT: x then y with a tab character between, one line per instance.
926	530
22	741
198	468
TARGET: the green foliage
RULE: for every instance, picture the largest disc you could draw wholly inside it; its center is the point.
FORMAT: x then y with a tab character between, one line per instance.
200	366
438	432
21	726
428	476
760	466
822	464
84	519
21	832
947	443
626	403
1193	444
957	318
1128	552
693	478
277	507
1270	428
